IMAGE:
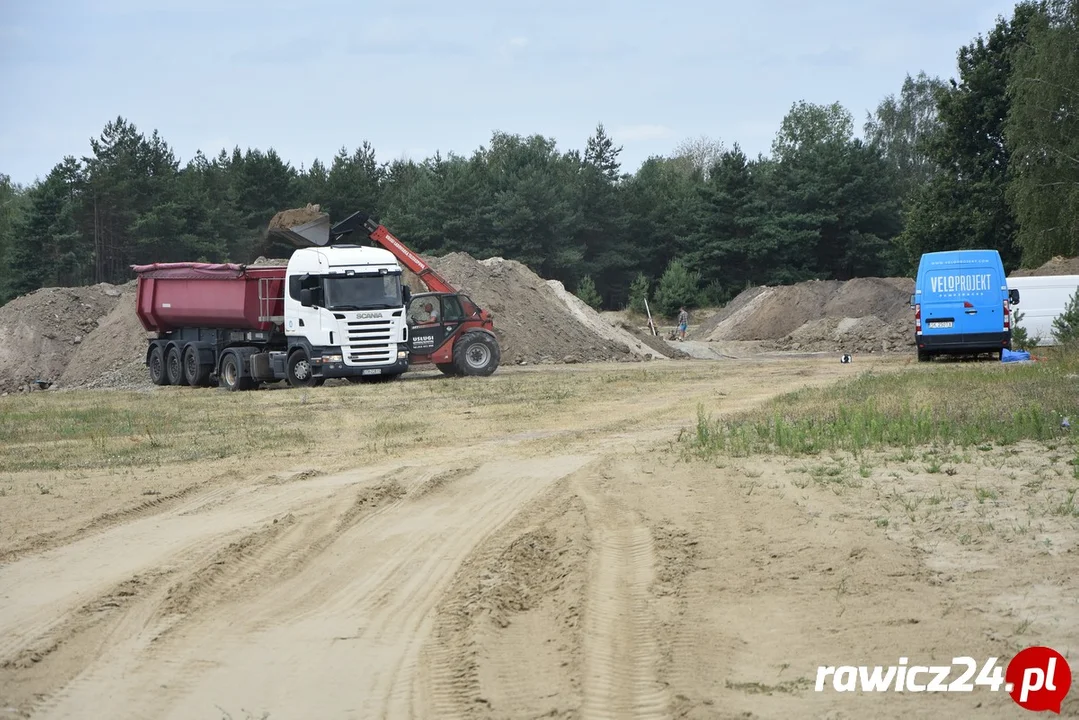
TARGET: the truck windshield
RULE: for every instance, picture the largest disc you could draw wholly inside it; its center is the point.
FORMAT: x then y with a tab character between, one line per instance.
362	292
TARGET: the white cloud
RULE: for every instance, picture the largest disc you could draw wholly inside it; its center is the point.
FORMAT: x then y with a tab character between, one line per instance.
638	133
518	42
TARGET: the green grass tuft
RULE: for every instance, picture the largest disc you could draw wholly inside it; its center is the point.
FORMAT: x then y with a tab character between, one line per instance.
968	405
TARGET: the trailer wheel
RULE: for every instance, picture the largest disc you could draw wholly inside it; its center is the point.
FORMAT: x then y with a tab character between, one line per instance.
158	375
476	353
175	367
197	374
299	371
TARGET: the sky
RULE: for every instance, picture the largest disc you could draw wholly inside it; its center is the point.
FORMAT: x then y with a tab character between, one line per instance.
414	77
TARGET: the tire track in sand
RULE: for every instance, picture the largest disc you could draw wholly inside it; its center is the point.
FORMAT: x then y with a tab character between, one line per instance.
621	652
342	637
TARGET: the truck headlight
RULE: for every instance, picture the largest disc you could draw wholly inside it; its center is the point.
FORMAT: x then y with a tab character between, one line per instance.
402	354
331	358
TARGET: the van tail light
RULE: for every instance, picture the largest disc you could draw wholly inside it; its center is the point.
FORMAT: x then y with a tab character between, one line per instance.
918	319
1007	316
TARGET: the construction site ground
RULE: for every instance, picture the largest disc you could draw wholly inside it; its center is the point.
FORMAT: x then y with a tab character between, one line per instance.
534	544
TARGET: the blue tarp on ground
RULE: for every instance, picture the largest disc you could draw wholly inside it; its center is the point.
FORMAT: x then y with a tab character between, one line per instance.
1014	355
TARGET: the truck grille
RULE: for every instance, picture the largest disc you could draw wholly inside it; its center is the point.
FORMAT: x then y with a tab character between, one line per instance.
370	342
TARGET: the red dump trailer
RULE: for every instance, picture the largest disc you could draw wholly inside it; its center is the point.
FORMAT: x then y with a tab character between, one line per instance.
181	295
209	319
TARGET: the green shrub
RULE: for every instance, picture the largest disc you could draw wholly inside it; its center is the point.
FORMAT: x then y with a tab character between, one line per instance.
1066	326
678	287
638	293
586	291
1020	339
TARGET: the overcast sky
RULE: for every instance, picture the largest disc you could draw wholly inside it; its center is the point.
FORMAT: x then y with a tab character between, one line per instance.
416	76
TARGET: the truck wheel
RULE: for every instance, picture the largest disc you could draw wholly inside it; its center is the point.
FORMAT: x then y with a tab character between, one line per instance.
476	353
197	375
232	378
175	367
158	375
299	370
447	369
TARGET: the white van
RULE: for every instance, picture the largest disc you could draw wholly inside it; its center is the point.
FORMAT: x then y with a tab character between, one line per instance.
1043	299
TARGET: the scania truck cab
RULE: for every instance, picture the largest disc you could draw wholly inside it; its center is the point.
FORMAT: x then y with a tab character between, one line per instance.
345	308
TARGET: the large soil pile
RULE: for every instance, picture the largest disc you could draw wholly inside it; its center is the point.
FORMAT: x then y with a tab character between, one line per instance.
533	323
40	331
1056	266
112	355
860	315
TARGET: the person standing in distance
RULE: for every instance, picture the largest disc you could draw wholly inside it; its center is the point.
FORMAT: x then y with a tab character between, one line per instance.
683	323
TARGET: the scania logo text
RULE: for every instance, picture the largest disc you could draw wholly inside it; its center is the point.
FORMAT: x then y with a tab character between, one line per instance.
365	315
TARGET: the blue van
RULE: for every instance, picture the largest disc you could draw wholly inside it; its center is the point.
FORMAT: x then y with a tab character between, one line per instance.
962	304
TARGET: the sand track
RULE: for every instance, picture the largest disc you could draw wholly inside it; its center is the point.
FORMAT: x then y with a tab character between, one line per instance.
579	570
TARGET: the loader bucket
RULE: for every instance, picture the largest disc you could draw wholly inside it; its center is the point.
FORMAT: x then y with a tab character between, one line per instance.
303	227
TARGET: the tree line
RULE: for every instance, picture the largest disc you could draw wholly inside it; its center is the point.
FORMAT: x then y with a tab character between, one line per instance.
989	159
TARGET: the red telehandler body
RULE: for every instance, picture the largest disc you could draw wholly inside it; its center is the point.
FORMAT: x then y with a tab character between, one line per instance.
461	341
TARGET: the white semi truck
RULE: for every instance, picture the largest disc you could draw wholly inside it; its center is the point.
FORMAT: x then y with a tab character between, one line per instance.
333	312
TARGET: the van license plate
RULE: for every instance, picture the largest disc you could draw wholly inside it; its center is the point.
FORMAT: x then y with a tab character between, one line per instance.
941	324
373	371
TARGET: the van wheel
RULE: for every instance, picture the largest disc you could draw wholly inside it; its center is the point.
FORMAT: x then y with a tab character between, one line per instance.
923	356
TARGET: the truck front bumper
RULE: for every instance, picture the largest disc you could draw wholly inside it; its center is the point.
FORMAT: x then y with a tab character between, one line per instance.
337	369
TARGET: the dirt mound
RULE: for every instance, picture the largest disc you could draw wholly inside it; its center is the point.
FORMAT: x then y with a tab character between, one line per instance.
602	327
112	355
867	334
770	313
533	323
296	216
1057	266
41	331
859	315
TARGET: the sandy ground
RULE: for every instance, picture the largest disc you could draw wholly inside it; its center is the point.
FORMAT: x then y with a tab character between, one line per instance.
551	557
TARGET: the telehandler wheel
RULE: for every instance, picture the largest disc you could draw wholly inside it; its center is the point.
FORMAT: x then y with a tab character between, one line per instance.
175	367
158	373
448	369
476	353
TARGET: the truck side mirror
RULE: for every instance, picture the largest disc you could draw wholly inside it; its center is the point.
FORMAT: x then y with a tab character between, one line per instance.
1013	296
406	294
305	297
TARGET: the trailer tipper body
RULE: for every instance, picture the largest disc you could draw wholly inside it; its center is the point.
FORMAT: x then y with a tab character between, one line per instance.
332	312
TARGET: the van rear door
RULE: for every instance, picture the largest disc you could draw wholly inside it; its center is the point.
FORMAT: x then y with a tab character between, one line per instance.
964	300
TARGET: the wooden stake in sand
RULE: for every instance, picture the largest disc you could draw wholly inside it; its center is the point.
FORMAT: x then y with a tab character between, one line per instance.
651	325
